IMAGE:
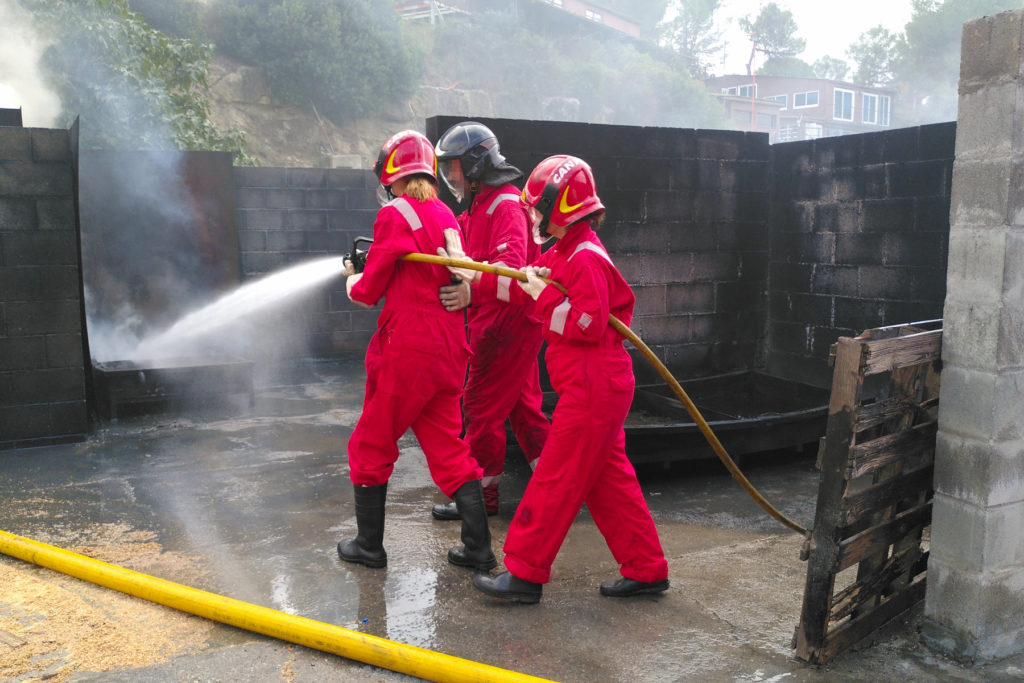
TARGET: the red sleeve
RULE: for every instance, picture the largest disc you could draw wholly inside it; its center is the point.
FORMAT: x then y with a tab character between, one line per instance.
391	240
507	247
583	314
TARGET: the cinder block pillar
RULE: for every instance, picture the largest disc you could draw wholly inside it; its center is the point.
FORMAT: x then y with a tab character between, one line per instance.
974	608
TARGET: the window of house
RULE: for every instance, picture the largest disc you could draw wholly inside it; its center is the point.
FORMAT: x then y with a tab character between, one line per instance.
883	110
741	90
781	99
805	99
594	16
842	108
766	121
869	108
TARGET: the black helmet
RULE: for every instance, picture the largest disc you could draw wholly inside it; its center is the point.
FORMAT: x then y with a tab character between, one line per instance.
474	145
467	154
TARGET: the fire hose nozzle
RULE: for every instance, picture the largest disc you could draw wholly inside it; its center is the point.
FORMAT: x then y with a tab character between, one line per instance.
358	255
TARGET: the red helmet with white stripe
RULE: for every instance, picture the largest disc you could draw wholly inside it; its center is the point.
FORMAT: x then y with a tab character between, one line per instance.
560	191
405	154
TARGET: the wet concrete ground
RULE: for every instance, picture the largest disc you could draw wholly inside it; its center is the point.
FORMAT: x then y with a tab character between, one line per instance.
261	496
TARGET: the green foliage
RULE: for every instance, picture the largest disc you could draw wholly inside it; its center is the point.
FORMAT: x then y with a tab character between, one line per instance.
350	58
178	18
691	34
132	86
875	55
774	32
832	68
928	65
646	12
787	67
923	62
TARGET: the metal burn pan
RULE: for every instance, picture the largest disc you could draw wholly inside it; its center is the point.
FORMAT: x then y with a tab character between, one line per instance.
122	384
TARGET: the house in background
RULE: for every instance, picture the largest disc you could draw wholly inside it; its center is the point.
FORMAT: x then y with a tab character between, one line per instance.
802	108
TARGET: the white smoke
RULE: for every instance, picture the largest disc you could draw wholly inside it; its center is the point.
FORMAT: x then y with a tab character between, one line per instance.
21	81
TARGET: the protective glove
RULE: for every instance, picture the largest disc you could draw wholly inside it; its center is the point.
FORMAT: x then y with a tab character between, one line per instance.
456	297
534	285
350	268
453	242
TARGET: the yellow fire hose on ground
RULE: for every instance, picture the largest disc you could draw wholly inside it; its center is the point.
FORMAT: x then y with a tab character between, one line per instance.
691	408
406	659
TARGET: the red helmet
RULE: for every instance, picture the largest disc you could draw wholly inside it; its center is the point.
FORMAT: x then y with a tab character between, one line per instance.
404	154
561	190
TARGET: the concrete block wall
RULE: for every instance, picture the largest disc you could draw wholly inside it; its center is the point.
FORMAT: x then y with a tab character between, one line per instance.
973	606
42	373
288	215
687	225
859	234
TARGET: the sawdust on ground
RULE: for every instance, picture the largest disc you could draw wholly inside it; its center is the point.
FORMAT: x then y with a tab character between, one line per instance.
53	626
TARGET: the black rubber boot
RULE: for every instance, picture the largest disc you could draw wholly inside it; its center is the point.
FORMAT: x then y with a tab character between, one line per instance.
476	535
447	512
624	588
367	548
509	587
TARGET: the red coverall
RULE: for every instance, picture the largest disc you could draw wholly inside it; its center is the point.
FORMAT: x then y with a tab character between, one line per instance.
416	360
584	459
504	338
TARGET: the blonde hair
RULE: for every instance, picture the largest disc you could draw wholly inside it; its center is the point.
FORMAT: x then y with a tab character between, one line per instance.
421	188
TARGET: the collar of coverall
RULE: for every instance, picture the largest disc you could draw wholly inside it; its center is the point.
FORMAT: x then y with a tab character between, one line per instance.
578	232
486	192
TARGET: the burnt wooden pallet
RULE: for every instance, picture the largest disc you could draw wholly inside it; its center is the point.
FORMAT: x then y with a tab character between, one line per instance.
867	553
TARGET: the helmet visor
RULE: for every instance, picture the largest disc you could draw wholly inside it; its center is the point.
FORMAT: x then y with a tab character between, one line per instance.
384	194
451	173
540	233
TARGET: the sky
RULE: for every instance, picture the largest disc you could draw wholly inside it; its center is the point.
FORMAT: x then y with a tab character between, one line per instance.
828	27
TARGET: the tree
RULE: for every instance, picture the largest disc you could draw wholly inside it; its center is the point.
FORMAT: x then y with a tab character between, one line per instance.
350	58
133	86
648	13
691	34
773	33
787	67
928	64
831	68
875	54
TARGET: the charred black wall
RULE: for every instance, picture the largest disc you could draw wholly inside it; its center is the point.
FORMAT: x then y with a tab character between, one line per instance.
687	224
742	255
288	215
42	375
859	234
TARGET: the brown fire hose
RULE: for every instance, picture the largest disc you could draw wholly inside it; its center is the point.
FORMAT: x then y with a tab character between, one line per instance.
646	352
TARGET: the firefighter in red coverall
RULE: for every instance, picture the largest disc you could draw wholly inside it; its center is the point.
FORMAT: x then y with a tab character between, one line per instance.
504	338
584	459
415	362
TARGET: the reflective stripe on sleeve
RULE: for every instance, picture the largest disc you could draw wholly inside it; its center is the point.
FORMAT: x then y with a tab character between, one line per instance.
592	247
409	213
499	199
559	316
504	283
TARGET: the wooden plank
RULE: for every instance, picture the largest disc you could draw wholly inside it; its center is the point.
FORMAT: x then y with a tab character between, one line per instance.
856	596
10	640
823	549
852	632
878	538
890	491
885	450
886	355
874	414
